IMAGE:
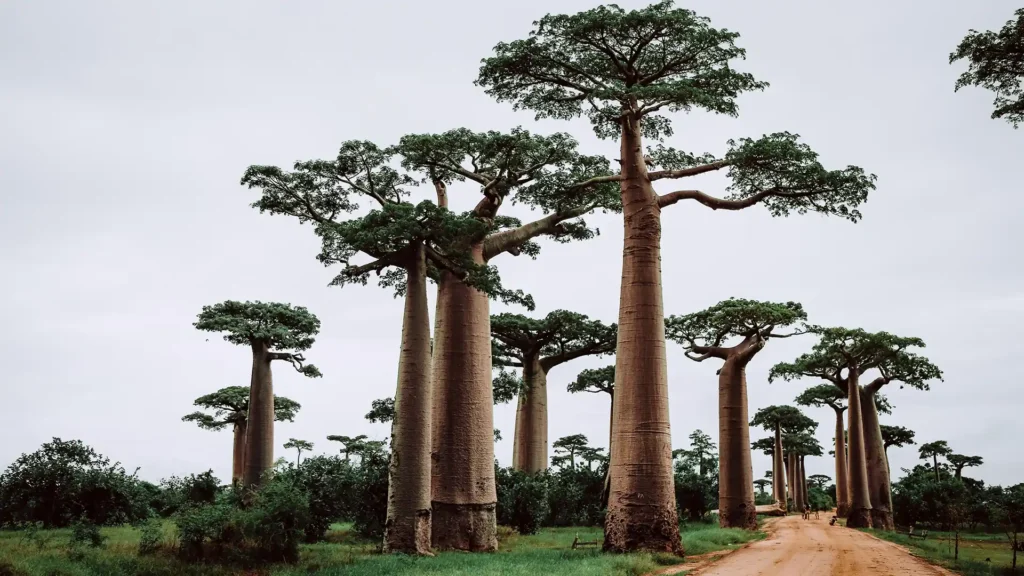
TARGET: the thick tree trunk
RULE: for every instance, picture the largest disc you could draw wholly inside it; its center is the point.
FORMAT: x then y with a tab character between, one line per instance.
798	493
530	447
736	472
238	453
408	518
879	489
860	492
642	505
842	474
790	479
462	473
259	434
779	470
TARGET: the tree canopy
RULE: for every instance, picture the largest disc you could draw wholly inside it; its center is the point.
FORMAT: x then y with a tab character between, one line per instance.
995	62
567	448
557	338
801	443
819	481
765	445
703	333
840	348
823	395
787	418
381	410
934	449
960	461
230	406
896	436
278	326
300	445
594	380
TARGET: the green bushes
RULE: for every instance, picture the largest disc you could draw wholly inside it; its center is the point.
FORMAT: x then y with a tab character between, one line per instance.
522	499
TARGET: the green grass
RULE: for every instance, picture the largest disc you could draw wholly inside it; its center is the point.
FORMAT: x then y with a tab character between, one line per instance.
548	552
974	550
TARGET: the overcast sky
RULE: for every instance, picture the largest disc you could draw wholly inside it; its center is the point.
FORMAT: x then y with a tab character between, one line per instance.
125	127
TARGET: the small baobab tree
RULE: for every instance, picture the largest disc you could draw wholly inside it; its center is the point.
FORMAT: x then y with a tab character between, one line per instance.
599	380
893	436
537	346
273	331
567	448
996	62
819	481
829	395
647	62
706	335
959	462
349	444
760	483
780	420
230	407
300	446
932	451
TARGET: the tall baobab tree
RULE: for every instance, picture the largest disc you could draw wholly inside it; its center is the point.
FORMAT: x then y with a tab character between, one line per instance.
749	324
268	329
300	446
932	450
801	445
536	346
545	173
230	407
829	395
644	63
959	462
854	352
895	437
996	62
781	420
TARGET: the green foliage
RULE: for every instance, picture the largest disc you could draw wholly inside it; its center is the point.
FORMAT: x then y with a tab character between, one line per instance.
765	445
819	480
522	499
788	418
566	448
996	63
823	395
801	443
575	496
330	484
369	504
897	436
839	348
507	385
696	477
960	461
230	406
559	337
85	533
597	62
175	493
279	326
67	481
150	536
594	380
932	449
300	445
702	456
735	317
818	499
381	410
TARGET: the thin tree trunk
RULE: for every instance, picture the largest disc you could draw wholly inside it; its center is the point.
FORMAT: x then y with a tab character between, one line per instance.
790	480
736	507
842	473
779	470
530	447
878	472
408	518
259	434
935	464
642	505
606	490
238	453
462	475
803	481
860	492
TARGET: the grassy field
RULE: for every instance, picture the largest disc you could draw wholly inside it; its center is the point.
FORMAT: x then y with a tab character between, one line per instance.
980	554
46	553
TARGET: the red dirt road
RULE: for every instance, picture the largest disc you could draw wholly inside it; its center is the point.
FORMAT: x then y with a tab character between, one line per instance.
798	547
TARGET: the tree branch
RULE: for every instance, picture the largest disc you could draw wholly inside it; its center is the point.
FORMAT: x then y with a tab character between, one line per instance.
876	385
506	240
391	259
684	172
723	204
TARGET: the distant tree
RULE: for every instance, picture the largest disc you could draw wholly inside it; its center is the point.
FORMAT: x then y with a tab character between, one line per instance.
268	328
779	419
381	410
230	407
702	454
568	447
933	450
896	436
749	324
959	462
536	346
349	444
591	455
595	381
819	481
798	446
300	446
497	435
761	483
996	62
831	396
1008	511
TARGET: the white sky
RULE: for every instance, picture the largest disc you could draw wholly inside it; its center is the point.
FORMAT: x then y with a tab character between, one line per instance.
125	127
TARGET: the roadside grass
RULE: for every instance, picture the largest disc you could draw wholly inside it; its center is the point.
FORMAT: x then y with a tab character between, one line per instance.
980	554
47	553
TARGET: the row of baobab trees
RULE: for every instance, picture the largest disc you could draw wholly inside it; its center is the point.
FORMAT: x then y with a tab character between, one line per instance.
624	71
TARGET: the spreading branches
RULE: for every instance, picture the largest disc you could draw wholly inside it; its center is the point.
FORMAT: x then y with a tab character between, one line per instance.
381	410
703	333
230	406
896	436
272	324
823	395
594	380
559	337
996	63
787	418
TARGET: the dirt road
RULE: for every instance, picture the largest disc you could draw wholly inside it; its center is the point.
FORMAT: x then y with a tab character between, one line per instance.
797	547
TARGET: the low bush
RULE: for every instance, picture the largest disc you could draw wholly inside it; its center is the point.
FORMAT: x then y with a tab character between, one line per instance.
522	499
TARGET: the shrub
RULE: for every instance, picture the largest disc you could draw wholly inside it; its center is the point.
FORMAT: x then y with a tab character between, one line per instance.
330	484
818	499
370	496
86	533
695	495
522	499
175	493
150	536
574	496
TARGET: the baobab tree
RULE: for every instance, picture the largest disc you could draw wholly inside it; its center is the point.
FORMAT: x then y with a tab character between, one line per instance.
545	173
349	444
829	395
300	446
623	70
819	481
705	335
230	407
893	436
799	446
959	462
996	62
381	410
761	483
536	346
567	447
932	450
273	331
779	420
855	351
599	380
